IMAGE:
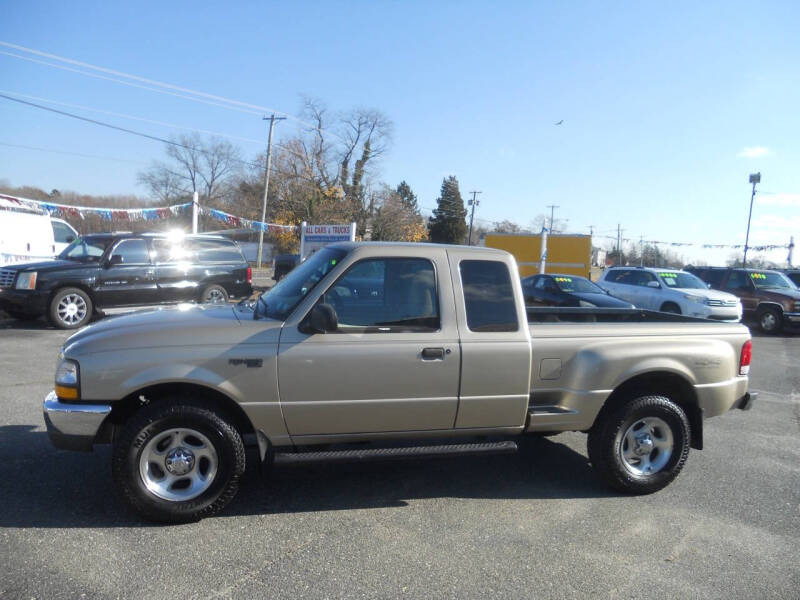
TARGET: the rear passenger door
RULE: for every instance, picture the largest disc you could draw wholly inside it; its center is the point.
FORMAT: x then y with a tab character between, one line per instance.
495	342
622	283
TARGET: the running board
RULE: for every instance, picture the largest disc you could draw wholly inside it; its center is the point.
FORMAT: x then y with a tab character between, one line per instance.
374	454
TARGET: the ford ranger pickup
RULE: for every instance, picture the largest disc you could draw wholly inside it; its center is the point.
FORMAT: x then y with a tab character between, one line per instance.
384	350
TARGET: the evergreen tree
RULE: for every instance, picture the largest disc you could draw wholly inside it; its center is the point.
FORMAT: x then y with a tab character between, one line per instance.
407	197
448	224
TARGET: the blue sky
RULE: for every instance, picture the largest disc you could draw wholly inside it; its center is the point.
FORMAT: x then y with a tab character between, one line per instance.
667	107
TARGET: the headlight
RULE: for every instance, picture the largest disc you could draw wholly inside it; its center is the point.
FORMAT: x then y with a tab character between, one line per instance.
68	380
26	280
692	298
797	307
586	304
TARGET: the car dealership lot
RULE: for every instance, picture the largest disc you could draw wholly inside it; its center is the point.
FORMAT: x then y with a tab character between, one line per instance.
539	523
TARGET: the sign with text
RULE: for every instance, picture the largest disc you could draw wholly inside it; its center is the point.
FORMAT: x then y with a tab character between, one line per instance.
314	237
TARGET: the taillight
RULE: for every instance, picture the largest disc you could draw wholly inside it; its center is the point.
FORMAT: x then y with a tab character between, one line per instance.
249	274
745	358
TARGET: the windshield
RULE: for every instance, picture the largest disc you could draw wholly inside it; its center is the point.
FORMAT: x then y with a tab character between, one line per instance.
281	300
765	279
577	284
88	249
675	279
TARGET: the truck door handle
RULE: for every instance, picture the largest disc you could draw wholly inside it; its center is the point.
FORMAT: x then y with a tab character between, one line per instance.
432	353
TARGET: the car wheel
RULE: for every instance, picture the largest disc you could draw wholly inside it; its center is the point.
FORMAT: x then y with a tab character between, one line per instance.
22	316
176	462
769	321
671	308
70	308
214	294
640	447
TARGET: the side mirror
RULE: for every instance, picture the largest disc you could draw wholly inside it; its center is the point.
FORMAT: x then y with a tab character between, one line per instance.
114	260
653	284
321	319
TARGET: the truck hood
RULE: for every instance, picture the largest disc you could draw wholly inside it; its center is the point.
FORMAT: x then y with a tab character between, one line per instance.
182	325
48	265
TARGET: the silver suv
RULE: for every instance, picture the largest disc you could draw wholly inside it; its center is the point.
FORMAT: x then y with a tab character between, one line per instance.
672	291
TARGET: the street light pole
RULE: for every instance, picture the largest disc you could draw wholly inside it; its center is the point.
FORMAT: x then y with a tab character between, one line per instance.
754	179
474	202
272	120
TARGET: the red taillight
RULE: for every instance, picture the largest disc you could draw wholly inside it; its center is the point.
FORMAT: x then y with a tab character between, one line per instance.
745	358
250	275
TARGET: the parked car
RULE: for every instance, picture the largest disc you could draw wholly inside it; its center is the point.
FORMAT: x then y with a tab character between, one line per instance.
283	264
567	290
187	397
794	275
123	269
27	235
672	291
768	296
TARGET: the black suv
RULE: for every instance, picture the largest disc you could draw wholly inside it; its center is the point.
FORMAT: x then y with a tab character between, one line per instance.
107	270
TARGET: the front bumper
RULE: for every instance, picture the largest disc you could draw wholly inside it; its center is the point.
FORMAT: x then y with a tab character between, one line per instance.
24	301
73	426
792	318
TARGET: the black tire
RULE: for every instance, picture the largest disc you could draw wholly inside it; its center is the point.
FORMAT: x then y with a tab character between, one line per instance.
770	321
606	445
22	316
152	421
214	294
671	308
61	299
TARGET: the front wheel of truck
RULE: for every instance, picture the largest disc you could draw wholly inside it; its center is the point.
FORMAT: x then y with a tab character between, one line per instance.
177	461
641	446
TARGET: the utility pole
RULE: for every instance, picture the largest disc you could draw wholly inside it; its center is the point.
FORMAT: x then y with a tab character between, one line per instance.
754	179
195	211
552	208
473	203
641	250
619	240
271	120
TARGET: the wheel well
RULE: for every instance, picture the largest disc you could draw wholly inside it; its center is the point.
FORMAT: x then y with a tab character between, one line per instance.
661	383
122	410
763	306
670	303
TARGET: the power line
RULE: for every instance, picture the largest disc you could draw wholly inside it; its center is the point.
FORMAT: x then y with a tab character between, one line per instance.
130	160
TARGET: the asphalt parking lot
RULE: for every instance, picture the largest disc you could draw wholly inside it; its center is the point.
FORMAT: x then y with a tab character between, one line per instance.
535	524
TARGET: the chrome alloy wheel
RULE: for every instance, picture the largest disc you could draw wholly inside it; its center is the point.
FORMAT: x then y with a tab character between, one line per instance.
178	464
647	446
769	322
71	309
215	296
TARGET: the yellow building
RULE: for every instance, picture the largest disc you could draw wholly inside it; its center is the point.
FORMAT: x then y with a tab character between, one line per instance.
566	253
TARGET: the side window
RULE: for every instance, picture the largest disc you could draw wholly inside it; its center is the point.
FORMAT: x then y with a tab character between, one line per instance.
132	252
386	295
62	234
550	286
644	277
737	280
167	251
540	283
488	296
714	277
624	276
213	251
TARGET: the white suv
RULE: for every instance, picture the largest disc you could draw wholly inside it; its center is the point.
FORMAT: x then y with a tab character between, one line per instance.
672	291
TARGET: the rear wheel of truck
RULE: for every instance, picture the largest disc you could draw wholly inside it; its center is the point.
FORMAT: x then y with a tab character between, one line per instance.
641	446
214	294
176	461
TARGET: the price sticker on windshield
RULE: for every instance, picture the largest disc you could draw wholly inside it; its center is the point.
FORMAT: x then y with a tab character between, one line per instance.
563	279
758	275
673	275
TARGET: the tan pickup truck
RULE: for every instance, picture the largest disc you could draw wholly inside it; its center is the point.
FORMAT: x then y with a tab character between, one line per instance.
386	350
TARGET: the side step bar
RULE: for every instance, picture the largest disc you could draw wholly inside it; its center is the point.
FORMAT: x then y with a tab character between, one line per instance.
374	454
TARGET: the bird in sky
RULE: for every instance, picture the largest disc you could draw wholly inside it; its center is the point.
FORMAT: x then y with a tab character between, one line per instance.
560	122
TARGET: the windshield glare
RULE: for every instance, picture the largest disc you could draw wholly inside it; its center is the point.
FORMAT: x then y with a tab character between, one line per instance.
580	285
763	279
682	280
86	249
281	300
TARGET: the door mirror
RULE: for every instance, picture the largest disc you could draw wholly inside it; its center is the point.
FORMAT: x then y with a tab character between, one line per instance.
114	260
653	284
321	319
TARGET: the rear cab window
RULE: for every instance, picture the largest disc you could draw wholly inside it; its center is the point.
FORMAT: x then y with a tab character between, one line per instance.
488	296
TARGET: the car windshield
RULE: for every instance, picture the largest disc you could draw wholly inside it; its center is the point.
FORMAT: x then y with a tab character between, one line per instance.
676	279
765	279
87	249
580	285
282	299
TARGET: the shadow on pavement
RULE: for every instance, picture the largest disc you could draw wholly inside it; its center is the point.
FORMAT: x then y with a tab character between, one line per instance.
44	487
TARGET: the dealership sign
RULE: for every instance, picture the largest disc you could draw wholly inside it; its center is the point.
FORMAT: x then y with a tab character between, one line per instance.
314	237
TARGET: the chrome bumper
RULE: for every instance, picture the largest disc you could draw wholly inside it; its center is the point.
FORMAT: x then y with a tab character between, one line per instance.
73	426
